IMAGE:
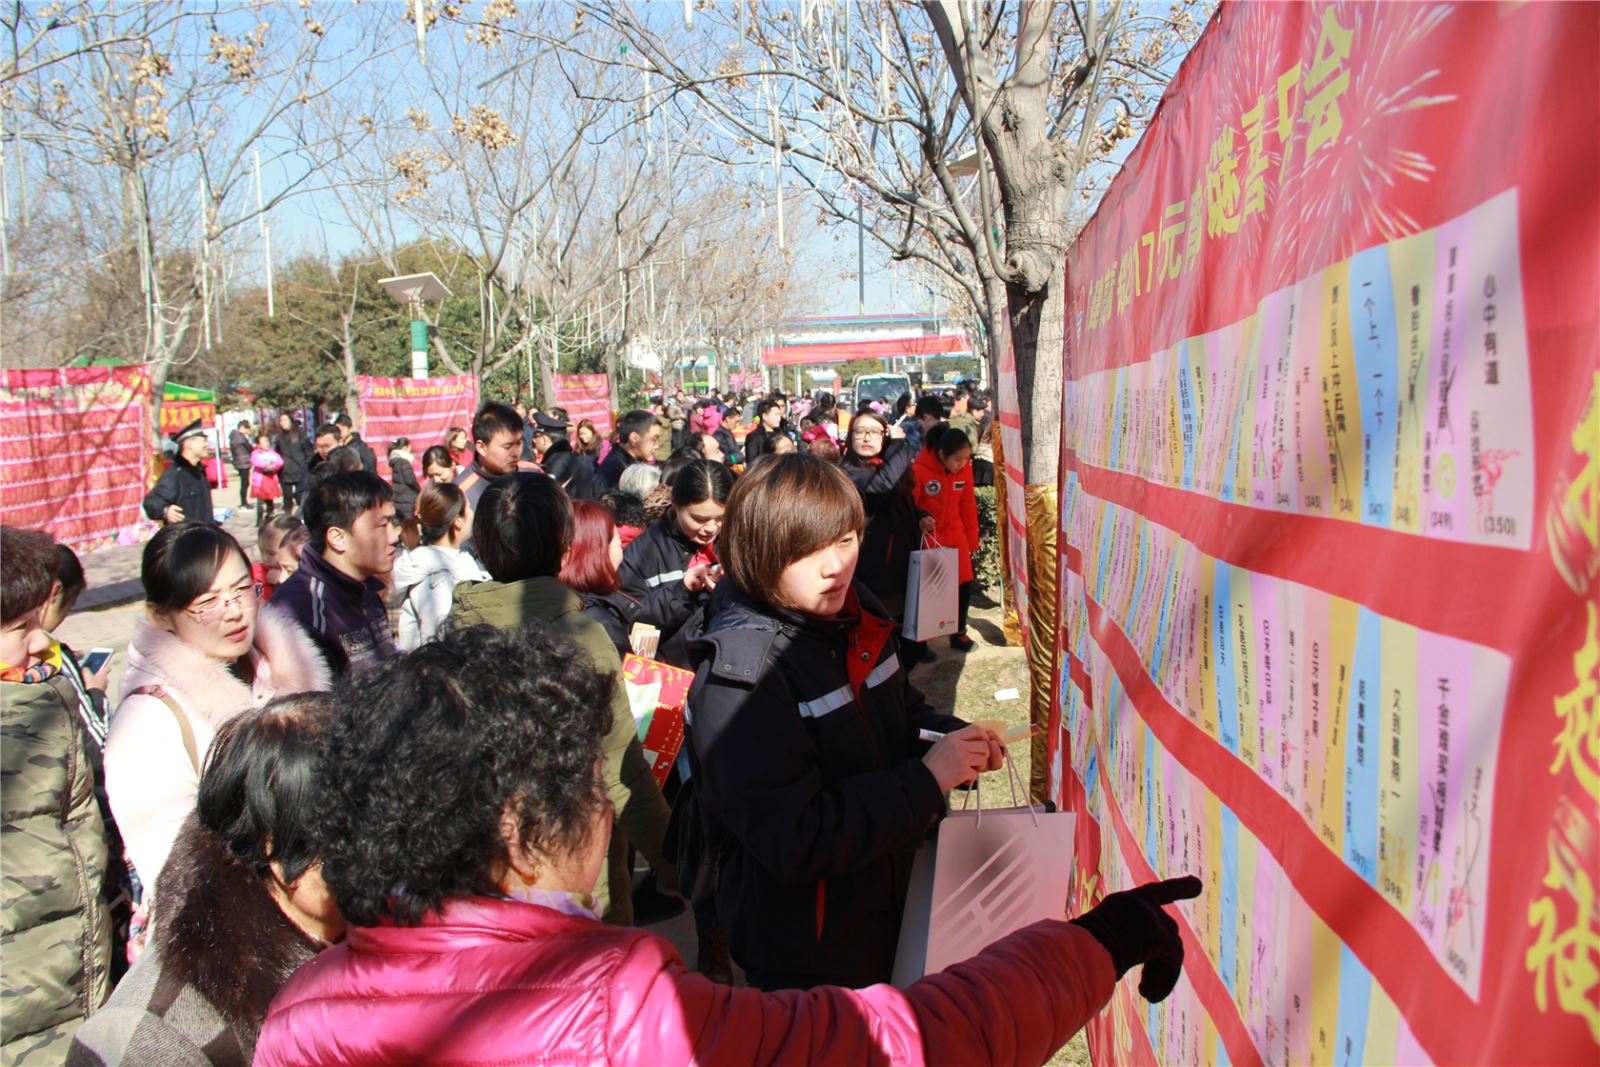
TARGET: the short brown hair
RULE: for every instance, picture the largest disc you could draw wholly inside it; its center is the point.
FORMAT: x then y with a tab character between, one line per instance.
783	509
30	568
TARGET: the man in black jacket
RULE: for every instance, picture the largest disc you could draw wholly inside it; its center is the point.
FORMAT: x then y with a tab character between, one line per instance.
570	470
759	441
348	436
337	594
497	447
182	493
638	435
241	442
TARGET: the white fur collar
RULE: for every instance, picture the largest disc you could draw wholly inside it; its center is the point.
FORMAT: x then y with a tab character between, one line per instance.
284	659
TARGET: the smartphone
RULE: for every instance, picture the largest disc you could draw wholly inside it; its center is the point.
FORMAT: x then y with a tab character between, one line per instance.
97	658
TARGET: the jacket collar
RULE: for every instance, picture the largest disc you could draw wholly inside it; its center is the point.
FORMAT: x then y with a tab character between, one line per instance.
736	610
536	598
284	659
667	529
464	921
317	564
220	932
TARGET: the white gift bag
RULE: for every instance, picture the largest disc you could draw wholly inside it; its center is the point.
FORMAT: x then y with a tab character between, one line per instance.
932	588
986	874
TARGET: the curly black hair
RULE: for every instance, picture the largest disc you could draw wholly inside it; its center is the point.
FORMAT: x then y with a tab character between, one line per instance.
426	755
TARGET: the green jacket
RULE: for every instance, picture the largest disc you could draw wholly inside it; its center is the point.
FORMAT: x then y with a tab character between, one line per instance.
641	810
55	933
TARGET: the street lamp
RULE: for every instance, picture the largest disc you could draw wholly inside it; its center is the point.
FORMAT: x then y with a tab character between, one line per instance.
411	290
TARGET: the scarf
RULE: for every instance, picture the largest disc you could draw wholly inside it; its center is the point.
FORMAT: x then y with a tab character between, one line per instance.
47	667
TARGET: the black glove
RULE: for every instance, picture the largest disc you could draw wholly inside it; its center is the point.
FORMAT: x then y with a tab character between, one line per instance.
1134	929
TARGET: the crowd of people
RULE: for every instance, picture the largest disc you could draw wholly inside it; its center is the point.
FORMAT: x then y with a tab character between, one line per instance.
376	795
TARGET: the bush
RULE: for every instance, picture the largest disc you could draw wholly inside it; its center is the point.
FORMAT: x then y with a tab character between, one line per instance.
986	561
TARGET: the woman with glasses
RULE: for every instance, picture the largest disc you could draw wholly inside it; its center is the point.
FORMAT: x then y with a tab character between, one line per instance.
206	651
878	460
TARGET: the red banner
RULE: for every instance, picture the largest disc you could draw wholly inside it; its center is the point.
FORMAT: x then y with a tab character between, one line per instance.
176	414
419	408
1008	412
585	396
933	344
74	450
1331	530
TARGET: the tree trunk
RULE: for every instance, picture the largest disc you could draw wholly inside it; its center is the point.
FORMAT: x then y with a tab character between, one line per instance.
611	373
547	375
1037	332
347	352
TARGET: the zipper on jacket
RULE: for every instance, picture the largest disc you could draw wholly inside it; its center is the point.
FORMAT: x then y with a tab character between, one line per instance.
822	906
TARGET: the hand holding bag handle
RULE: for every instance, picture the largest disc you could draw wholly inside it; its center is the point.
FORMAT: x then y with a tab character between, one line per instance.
1013	776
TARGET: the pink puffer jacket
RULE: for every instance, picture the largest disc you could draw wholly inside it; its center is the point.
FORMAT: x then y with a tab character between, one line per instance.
501	982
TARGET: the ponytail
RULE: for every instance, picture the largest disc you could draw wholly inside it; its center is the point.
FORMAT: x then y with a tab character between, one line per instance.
438	507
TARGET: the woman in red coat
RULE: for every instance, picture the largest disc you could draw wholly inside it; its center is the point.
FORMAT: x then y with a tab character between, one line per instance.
464	830
941	481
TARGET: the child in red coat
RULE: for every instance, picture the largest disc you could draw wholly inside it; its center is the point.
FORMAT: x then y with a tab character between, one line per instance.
941	479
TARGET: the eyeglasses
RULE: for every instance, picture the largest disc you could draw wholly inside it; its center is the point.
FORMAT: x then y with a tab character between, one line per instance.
213	608
868	434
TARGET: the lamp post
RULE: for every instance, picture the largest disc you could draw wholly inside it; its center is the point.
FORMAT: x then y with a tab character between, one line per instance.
411	290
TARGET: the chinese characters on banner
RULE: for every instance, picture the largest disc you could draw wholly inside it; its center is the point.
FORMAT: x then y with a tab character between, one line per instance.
94	424
182	405
585	396
419	408
1330	527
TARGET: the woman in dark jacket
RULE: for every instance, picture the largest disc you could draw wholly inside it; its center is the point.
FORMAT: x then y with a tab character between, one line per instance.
678	552
290	443
403	478
878	462
242	904
812	781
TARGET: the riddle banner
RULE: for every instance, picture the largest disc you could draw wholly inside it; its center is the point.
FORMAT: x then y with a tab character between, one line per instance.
74	451
1330	529
585	396
419	408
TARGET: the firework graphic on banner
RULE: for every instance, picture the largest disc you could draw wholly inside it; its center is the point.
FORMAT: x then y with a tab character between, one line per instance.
1346	194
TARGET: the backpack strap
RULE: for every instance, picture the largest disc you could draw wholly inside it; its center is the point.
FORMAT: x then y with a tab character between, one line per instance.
177	713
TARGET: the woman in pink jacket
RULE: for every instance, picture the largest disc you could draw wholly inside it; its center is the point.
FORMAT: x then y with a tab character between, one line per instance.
464	829
941	482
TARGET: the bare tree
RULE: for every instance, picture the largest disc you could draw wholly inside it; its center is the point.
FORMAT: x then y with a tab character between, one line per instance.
155	117
957	133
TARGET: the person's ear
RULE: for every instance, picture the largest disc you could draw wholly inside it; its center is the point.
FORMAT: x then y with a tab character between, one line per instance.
338	539
517	857
158	617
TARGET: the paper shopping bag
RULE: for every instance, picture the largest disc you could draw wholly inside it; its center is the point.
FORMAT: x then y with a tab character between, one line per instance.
657	693
931	593
984	875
